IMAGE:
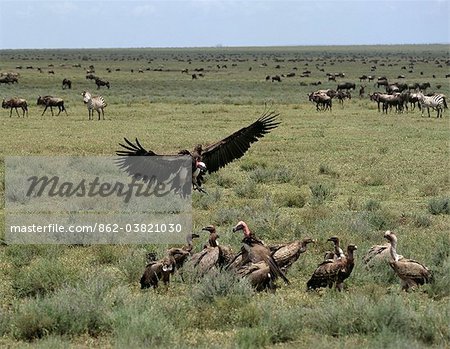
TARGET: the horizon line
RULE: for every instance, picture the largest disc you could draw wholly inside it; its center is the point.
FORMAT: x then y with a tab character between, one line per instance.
219	46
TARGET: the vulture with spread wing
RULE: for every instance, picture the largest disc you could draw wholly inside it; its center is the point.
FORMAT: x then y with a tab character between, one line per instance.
207	159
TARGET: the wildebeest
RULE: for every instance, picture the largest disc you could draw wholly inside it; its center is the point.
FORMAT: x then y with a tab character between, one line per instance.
96	103
422	86
363	78
362	91
413	98
99	82
16	103
322	100
382	82
90	76
276	78
346	86
341	95
66	83
397	100
9	78
50	101
379	97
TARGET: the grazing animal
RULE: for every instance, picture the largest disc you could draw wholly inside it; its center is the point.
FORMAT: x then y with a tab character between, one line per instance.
99	82
382	82
66	83
9	78
346	86
410	272
362	91
207	159
50	101
437	102
276	78
323	101
380	98
363	78
15	103
422	86
96	103
413	98
333	271
342	95
399	100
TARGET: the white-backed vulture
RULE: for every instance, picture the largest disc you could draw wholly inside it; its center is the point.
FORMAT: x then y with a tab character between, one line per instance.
286	254
410	272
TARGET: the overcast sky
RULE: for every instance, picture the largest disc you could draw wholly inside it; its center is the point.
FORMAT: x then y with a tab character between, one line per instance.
199	23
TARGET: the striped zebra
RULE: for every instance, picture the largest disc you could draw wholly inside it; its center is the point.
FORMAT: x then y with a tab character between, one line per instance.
94	103
437	102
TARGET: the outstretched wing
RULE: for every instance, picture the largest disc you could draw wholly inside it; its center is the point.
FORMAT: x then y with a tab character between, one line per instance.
147	165
219	154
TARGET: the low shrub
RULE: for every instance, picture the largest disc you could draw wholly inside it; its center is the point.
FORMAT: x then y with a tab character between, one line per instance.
439	206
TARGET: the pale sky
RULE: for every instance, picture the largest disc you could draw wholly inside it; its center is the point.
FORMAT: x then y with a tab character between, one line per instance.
206	23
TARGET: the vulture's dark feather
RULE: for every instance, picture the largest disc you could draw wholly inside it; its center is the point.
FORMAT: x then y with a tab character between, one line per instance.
214	156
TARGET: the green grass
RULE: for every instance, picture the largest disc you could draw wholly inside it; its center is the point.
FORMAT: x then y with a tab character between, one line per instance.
352	173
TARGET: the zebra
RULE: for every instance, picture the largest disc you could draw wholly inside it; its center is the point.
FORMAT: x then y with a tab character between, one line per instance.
94	103
50	101
16	103
437	102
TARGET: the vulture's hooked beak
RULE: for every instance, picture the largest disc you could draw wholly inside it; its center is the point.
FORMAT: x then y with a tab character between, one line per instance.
238	228
202	167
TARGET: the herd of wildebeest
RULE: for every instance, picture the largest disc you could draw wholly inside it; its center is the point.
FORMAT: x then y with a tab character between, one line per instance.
397	95
259	263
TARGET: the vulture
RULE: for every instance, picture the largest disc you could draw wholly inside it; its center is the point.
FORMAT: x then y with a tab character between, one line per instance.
258	274
376	254
410	272
182	254
286	254
225	251
211	256
162	269
333	271
158	270
254	251
338	253
205	159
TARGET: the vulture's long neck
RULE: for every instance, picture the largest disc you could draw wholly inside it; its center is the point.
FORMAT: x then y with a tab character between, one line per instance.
189	246
350	255
393	249
213	240
303	246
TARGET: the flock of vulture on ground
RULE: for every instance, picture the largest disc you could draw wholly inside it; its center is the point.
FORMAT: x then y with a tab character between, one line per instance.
261	264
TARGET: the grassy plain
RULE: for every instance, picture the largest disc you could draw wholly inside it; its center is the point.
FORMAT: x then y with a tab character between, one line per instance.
353	173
